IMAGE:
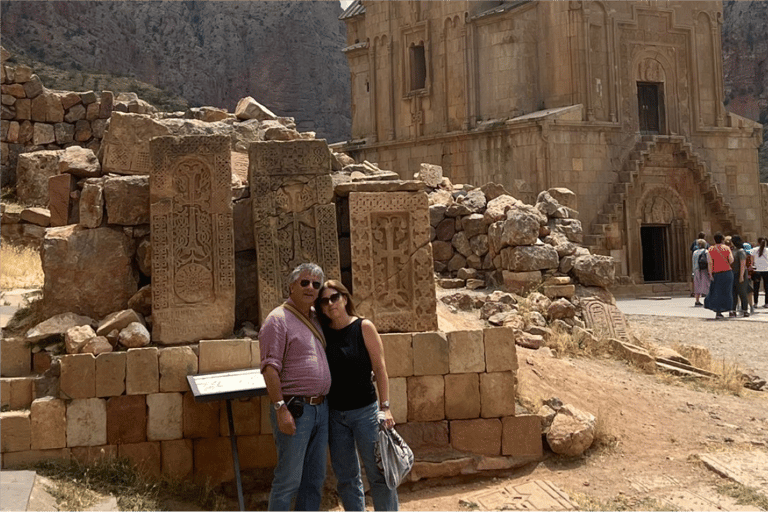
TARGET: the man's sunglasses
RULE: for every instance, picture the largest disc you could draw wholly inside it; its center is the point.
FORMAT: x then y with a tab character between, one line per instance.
331	299
305	282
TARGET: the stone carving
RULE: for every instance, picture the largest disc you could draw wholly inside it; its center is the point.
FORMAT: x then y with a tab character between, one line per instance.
126	143
193	273
764	202
294	220
392	267
606	319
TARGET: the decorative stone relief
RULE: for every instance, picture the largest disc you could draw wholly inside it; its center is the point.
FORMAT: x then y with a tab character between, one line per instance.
606	319
764	204
193	267
294	220
392	267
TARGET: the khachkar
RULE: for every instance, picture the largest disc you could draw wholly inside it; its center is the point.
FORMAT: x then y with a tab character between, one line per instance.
392	268
193	264
294	220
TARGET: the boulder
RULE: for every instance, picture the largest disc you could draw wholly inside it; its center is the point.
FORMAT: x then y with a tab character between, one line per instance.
572	431
92	203
571	228
125	146
144	256
118	320
127	200
134	335
473	225
496	208
519	228
441	197
32	173
493	308
76	337
547	205
528	340
474	200
529	257
141	302
561	308
461	300
594	270
445	229
37	216
442	251
430	174
87	271
56	325
479	245
534	319
493	190
249	108
563	196
460	242
80	162
539	302
96	345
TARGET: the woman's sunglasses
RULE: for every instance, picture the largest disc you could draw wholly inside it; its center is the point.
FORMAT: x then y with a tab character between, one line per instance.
305	282
331	299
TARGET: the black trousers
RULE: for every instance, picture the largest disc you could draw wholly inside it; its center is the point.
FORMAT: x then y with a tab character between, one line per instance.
760	276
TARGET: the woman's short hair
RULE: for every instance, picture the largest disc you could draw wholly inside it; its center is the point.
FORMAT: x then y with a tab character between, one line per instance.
339	287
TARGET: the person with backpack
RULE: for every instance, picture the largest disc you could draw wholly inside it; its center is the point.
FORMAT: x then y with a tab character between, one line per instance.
700	265
694	248
740	280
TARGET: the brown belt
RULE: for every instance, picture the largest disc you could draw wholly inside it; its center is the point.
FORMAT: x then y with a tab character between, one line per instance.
310	400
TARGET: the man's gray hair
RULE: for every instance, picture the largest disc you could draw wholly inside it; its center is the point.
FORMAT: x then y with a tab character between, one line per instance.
313	269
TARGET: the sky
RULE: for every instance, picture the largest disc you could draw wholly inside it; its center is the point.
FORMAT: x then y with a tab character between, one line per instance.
345	3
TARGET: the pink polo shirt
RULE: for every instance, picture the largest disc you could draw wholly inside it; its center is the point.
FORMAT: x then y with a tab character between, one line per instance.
298	356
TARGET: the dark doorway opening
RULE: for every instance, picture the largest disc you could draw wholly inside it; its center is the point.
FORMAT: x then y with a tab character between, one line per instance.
650	104
655	244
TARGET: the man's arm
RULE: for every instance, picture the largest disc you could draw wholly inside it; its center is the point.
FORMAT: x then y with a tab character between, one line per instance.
284	418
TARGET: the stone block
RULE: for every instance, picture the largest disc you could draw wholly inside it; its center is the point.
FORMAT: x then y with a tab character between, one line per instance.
224	355
255	354
142	376
41	362
213	461
177	458
110	374
127	200
521	282
246	415
90	455
430	353
18	392
164	416
426	398
500	352
87	422
398	399
59	200
145	457
482	436
15	431
15	357
266	406
78	376
425	437
118	320
462	396
25	459
48	424
398	353
174	364
497	394
466	351
443	469
257	451
127	419
521	437
200	419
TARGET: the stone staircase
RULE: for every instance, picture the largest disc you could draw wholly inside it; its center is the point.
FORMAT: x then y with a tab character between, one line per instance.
610	215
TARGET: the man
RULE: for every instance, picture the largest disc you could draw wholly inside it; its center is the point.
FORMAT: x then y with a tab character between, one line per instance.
297	376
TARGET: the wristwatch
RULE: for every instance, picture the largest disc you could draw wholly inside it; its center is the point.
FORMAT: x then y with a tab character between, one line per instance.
384	405
277	405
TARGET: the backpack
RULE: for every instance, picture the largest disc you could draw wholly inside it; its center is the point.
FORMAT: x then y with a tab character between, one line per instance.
702	261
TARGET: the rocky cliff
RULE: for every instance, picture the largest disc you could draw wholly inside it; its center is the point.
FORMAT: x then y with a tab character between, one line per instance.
286	54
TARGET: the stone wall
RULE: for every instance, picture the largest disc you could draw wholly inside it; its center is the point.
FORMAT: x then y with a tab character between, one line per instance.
448	392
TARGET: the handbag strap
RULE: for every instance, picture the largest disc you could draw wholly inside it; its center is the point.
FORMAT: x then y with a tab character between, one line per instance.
310	325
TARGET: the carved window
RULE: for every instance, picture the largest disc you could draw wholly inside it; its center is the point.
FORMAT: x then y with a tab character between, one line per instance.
418	66
650	104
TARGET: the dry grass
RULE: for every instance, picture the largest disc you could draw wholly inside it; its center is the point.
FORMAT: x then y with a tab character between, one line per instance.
564	344
744	495
21	268
729	377
604	438
587	502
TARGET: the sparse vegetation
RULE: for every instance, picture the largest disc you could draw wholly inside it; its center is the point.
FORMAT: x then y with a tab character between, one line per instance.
621	502
21	267
605	437
744	495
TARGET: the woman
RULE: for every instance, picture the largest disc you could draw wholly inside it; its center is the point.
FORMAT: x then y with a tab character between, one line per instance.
760	257
720	296
700	275
354	350
740	280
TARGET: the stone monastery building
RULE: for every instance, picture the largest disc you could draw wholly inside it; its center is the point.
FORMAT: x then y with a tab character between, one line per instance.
620	101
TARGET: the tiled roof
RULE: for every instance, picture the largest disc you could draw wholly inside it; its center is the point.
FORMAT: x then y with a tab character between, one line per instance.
353	10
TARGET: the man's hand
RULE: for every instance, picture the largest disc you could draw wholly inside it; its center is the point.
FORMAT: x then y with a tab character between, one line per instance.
285	421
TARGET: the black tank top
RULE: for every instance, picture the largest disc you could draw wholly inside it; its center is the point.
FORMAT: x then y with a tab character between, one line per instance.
350	364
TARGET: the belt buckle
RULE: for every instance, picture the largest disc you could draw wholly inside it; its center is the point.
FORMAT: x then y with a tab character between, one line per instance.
315	400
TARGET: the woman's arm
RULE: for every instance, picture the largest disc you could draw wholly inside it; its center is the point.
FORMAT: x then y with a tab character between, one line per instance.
375	349
742	268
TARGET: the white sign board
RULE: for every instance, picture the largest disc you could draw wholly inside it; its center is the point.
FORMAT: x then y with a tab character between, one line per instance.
226	385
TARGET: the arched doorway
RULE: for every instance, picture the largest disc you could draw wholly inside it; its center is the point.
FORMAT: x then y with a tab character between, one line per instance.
662	223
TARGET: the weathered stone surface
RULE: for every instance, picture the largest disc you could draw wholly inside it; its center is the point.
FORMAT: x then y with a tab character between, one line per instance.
145	457
500	352
175	363
521	437
78	376
249	108
571	228
141	371
497	394
125	146
466	351
15	358
32	173
605	319
442	251
564	196
177	458
37	216
431	175
164	417
92	204
134	335
43	134
80	162
15	432
477	436
294	218
561	308
430	353
529	257
242	215
17	392
127	419
224	355
192	297
76	337
95	262
425	437
594	270
398	399
243	414
460	242
393	272
110	374
572	431
96	345
141	302
426	398
559	291
48	424
118	320
59	200
91	455
462	396
398	353
202	419
521	282
87	422
127	200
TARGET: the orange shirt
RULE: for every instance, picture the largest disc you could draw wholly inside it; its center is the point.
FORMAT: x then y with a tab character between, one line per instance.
719	254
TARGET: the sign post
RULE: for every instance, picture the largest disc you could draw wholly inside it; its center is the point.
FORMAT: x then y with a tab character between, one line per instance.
228	386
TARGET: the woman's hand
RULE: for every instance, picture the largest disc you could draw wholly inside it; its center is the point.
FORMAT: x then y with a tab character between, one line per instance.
389	420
